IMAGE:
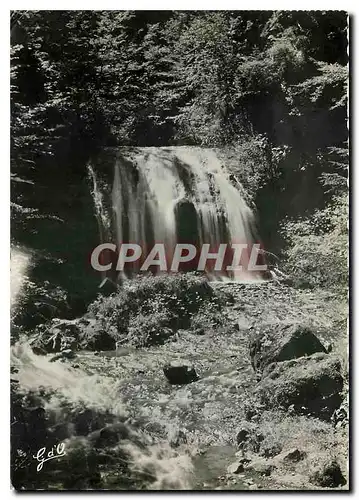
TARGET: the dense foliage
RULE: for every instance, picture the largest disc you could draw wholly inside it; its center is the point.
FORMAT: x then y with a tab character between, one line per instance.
317	254
151	309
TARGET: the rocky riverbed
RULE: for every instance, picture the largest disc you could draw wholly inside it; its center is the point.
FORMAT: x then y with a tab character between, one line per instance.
257	401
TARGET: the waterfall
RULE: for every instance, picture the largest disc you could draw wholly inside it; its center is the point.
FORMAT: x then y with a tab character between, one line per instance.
20	260
100	212
175	195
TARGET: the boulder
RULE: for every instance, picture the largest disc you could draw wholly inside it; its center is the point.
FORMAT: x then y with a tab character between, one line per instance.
328	475
249	439
109	436
94	338
87	421
235	468
261	467
294	455
243	435
309	385
282	342
66	354
180	373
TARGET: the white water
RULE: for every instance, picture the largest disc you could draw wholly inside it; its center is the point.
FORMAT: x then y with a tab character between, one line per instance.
149	186
171	469
19	264
100	212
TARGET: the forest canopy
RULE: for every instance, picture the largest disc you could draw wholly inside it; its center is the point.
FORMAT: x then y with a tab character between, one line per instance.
167	77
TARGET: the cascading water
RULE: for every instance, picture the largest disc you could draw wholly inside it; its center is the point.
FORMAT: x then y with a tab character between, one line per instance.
100	212
179	195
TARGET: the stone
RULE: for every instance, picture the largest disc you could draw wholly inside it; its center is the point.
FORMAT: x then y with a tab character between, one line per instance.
242	436
94	338
282	343
87	421
264	469
66	354
310	386
109	436
294	455
248	481
177	438
178	373
328	475
235	468
39	351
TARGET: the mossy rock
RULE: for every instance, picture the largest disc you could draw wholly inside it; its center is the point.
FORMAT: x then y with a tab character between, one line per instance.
309	385
282	342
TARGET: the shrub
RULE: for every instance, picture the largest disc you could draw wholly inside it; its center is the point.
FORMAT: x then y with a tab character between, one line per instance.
148	310
317	251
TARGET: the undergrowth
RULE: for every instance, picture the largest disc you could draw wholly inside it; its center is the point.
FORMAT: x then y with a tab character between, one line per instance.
317	251
149	310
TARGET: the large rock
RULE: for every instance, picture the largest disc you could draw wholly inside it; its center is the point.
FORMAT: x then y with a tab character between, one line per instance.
294	455
179	373
94	338
328	475
281	343
63	355
309	385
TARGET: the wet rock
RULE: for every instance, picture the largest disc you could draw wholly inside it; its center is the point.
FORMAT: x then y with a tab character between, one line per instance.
177	438
60	431
39	351
294	455
179	373
328	475
102	341
249	439
66	354
310	386
87	421
242	436
250	412
262	468
109	436
235	468
94	338
282	343
248	481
